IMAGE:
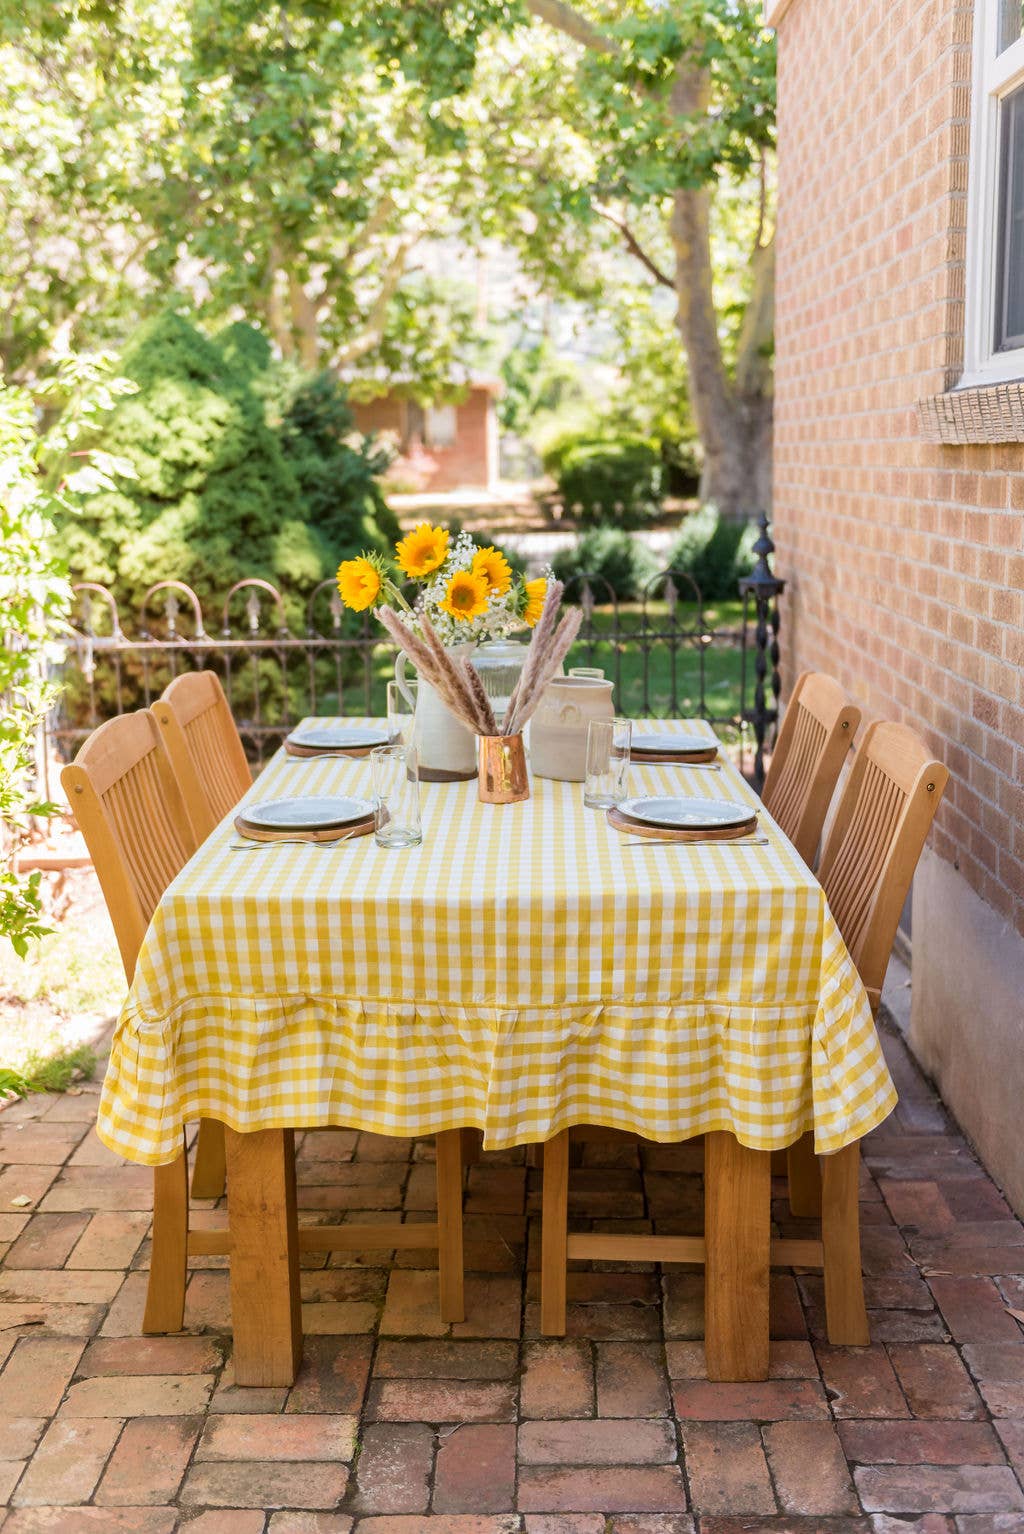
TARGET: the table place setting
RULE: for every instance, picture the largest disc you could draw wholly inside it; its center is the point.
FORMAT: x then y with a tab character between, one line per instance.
313	819
328	739
688	750
666	818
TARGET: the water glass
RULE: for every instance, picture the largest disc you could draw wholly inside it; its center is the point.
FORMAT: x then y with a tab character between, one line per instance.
594	671
396	796
608	743
401	714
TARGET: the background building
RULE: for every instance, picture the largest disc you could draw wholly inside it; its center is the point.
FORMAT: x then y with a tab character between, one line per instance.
899	471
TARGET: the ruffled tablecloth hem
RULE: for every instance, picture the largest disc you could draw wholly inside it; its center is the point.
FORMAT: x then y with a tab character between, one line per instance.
766	1074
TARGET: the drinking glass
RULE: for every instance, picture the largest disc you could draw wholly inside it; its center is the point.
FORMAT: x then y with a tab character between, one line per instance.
608	743
587	671
396	795
401	714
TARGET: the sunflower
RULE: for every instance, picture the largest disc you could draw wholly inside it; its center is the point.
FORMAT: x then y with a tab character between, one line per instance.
495	569
466	596
422	550
360	583
535	594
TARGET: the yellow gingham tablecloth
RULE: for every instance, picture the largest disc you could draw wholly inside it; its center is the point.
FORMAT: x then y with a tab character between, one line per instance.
525	969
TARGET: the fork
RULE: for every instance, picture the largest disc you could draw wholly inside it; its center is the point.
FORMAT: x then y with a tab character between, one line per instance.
665	841
287	841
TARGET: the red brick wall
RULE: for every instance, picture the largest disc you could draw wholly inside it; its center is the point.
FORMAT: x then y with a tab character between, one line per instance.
465	465
905	560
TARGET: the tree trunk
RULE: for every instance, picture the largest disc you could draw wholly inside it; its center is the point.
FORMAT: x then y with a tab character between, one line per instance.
737	473
733	416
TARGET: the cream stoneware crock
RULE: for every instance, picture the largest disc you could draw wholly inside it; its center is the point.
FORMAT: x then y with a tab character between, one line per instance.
558	730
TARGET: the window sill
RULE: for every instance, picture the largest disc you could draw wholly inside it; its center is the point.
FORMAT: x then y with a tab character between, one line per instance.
986	413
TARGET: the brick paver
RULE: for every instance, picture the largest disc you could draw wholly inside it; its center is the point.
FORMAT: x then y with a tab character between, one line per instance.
400	1424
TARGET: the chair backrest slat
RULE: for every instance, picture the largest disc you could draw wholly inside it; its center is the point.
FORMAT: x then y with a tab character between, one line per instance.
204	747
130	810
817	730
883	817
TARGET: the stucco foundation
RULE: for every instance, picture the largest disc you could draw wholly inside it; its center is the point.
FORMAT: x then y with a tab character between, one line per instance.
967	1016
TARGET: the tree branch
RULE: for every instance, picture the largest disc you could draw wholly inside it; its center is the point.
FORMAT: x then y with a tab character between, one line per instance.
635	248
562	16
371	336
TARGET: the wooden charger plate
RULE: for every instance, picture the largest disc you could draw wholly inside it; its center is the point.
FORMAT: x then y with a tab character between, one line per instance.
680	834
347	832
639	757
291	750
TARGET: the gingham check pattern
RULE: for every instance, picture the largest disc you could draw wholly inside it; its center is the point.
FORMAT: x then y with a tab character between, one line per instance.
523	970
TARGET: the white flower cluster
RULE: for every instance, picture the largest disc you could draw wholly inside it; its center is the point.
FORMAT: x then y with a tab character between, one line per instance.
500	618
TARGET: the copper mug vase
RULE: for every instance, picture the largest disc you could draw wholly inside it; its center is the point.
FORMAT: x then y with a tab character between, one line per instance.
502	778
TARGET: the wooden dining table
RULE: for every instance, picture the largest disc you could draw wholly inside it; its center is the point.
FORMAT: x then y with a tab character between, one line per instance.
526	969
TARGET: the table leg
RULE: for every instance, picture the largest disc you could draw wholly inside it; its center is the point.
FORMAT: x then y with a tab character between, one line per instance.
449	1223
554	1235
266	1314
737	1200
168	1263
208	1171
804	1178
845	1316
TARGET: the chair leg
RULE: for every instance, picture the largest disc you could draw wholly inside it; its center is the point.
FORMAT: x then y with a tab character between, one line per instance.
804	1178
168	1263
208	1172
266	1314
845	1314
554	1235
449	1221
737	1220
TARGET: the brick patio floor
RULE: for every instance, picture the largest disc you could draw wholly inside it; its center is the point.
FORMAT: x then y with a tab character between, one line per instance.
398	1425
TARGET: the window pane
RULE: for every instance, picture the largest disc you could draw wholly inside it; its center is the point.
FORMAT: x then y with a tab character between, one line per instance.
441	425
1011	22
1010	289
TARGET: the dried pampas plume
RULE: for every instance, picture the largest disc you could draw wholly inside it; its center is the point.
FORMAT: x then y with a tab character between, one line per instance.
548	648
436	667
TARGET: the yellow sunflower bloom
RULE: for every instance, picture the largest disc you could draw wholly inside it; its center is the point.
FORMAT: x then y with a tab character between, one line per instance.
422	551
466	596
494	568
535	594
359	583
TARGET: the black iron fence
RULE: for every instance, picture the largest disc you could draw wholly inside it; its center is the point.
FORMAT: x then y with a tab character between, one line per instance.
669	653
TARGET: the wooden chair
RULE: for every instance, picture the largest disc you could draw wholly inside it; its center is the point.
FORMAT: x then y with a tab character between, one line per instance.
124	795
817	730
204	747
881	823
210	765
867	865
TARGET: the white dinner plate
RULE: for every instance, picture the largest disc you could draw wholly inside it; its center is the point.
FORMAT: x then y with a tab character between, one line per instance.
662	744
309	814
694	814
338	737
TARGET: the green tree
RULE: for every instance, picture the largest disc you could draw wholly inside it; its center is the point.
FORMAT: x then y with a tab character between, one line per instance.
284	161
650	125
238	469
41	477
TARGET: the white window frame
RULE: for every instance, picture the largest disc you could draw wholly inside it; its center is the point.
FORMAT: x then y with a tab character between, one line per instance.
995	76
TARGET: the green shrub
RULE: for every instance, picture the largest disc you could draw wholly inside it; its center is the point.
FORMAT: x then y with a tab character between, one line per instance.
617	481
242	468
713	553
613	557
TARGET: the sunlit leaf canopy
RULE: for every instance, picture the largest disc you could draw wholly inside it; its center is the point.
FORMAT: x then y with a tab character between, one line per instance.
246	148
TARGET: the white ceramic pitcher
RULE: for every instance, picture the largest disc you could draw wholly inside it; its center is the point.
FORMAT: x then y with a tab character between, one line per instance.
558	730
446	748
